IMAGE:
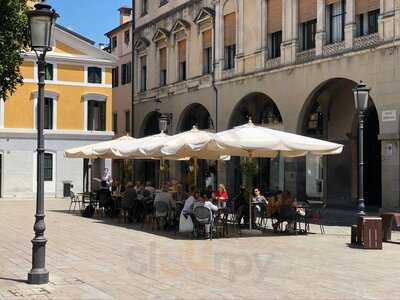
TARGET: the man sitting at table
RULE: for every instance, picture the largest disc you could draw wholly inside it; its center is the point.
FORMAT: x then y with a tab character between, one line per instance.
104	198
185	220
164	196
213	208
128	198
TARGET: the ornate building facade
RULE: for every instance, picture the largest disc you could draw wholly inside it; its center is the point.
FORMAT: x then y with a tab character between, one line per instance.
288	64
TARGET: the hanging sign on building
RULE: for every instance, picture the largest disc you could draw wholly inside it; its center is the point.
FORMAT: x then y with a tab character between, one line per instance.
389	115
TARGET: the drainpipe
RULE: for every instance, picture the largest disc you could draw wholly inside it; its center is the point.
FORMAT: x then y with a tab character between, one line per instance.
133	84
215	89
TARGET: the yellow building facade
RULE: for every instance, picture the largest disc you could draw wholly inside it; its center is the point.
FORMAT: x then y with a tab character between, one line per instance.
78	111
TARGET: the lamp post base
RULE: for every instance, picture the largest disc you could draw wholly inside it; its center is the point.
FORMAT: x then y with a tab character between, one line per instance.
38	276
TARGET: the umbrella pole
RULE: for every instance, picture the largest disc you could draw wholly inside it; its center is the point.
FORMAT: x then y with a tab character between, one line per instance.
251	189
195	171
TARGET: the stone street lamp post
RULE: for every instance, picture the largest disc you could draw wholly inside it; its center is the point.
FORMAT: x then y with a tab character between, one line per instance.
42	21
361	96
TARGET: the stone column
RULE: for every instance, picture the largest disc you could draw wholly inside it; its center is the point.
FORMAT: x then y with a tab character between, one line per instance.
390	172
320	37
240	37
290	30
219	40
263	37
350	23
387	24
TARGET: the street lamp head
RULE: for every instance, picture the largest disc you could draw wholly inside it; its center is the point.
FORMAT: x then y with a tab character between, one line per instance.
163	123
41	22
361	96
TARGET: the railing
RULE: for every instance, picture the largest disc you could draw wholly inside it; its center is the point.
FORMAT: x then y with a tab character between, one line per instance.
305	56
366	41
333	49
273	63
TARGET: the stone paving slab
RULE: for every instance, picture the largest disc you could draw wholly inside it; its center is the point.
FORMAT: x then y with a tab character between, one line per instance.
99	259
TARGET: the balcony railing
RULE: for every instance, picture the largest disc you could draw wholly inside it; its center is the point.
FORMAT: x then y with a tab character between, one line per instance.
333	49
273	63
305	56
366	41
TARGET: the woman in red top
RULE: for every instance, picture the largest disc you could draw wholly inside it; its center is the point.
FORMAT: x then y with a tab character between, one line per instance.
221	196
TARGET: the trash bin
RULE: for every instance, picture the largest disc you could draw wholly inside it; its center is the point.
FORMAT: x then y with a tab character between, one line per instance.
370	232
67	189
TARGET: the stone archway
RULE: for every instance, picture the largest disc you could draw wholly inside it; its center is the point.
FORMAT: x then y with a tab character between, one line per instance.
329	113
197	115
149	170
263	111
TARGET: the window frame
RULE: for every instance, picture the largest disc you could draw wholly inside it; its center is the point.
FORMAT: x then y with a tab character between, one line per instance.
276	42
127	121
114	42
339	16
93	97
375	26
52	72
87	75
142	74
46	168
144	9
309	30
115	122
50	95
127	36
115	77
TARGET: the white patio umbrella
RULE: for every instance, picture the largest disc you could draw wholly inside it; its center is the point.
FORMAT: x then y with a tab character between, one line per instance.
195	143
98	150
254	141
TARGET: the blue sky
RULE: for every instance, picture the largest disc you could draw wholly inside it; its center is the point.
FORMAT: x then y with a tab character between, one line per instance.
91	18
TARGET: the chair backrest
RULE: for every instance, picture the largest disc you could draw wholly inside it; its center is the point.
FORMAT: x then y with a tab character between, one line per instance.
203	215
161	208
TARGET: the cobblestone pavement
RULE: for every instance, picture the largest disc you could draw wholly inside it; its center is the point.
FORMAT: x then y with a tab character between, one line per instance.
92	259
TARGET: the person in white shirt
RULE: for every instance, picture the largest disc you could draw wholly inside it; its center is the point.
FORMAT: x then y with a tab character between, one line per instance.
213	208
185	220
166	197
150	187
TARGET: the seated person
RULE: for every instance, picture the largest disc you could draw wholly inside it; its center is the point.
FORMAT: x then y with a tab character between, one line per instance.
104	198
164	196
241	206
128	198
180	195
205	202
260	200
221	195
185	220
150	187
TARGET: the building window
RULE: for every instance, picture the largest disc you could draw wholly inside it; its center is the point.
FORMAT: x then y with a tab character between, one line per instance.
48	167
143	73
127	121
115	77
336	21
127	37
207	52
182	60
276	41
49	72
115	123
308	31
114	42
145	7
373	21
126	74
163	67
94	75
163	2
48	113
230	40
96	115
360	24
